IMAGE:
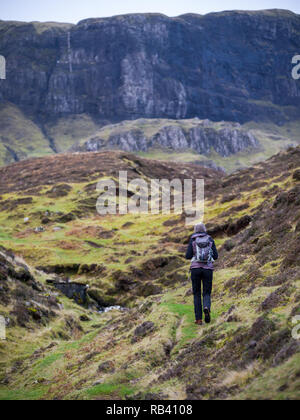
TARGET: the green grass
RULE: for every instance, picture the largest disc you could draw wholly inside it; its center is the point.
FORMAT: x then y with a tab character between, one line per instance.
169	155
69	130
268	148
41	27
21	135
52	247
189	329
109	390
48	361
23	394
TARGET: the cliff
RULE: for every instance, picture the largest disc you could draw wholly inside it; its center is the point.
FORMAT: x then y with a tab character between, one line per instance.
66	81
223	66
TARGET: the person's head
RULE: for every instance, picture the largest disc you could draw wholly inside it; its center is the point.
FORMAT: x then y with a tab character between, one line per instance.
200	228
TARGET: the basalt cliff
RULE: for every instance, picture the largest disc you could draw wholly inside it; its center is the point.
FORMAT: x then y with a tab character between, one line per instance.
233	65
66	81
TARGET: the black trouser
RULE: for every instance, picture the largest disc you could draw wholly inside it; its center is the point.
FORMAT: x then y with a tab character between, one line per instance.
206	276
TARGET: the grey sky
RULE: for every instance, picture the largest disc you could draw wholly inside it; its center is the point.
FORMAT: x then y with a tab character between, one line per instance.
75	10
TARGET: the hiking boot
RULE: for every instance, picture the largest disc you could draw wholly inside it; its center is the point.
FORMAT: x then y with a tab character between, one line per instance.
207	315
199	322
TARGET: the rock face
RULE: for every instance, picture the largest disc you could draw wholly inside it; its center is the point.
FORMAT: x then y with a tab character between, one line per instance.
76	291
224	138
233	66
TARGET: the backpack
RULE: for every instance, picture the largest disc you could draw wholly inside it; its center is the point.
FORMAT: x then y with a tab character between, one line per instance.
202	248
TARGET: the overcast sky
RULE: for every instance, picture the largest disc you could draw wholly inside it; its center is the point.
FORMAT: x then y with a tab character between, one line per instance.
75	10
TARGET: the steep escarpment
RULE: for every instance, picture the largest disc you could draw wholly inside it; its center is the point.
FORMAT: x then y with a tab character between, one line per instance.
152	349
64	82
232	66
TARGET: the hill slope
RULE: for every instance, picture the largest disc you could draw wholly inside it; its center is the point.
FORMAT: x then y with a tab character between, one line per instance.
152	349
230	146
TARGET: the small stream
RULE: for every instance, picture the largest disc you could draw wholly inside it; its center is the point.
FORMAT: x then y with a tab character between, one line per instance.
78	292
72	290
111	308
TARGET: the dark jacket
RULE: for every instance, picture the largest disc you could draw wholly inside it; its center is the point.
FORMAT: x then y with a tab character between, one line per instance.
190	253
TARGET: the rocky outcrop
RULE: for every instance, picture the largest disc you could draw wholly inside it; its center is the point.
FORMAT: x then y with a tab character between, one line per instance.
131	141
72	290
203	136
233	66
227	141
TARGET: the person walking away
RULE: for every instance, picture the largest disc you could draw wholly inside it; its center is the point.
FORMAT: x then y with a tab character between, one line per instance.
203	252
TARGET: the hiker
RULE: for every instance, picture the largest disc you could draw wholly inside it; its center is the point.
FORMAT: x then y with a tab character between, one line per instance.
203	252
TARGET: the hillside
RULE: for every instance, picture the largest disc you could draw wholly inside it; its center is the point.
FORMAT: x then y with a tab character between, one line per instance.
149	348
65	82
225	145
